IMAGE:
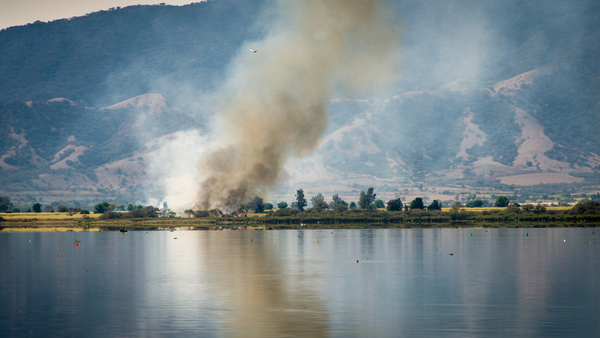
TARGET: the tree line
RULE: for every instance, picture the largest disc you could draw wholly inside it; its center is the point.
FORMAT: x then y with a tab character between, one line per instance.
366	200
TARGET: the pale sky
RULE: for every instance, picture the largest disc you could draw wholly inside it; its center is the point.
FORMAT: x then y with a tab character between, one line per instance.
21	12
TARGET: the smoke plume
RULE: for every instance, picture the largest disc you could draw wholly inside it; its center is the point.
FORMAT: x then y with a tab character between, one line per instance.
274	104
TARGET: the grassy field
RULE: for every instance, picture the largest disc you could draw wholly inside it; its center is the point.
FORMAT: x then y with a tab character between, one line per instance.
65	216
45	216
500	209
48	229
351	219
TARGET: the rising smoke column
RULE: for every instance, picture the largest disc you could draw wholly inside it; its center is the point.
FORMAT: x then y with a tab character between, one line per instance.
275	100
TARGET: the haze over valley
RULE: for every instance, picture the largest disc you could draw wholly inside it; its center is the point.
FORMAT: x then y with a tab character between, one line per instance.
124	104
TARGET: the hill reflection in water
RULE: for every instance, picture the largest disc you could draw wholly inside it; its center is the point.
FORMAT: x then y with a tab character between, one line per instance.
497	282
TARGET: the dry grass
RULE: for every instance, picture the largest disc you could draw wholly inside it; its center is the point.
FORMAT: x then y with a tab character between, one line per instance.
539	178
45	215
500	209
47	229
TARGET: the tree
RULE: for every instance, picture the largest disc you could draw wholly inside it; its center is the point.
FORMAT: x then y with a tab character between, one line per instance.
338	204
370	196
146	212
379	204
268	206
352	205
339	207
188	213
37	207
526	207
395	205
282	205
130	207
244	208
474	204
417	203
216	213
167	213
362	200
435	205
317	199
62	208
110	215
49	208
257	205
336	199
501	202
365	199
320	206
100	208
455	207
588	207
5	204
201	213
539	209
300	200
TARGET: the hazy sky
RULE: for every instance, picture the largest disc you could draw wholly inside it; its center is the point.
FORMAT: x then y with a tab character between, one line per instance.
21	12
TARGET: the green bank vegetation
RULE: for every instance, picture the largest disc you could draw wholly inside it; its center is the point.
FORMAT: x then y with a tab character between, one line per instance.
337	214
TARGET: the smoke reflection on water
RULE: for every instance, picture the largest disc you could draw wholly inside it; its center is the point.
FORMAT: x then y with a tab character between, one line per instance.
266	293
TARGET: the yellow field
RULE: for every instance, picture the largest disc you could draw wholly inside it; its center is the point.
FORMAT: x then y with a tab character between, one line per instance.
45	215
47	229
491	208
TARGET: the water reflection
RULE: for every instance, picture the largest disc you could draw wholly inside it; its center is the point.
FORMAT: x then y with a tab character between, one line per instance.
268	287
498	282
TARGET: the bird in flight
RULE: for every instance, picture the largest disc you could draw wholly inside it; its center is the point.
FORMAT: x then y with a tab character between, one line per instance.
253	50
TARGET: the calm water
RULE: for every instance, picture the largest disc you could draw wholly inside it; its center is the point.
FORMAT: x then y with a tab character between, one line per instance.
498	283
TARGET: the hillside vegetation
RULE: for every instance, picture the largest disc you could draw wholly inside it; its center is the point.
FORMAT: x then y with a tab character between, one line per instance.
109	56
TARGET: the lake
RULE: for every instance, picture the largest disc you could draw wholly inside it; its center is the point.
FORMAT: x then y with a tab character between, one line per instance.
311	283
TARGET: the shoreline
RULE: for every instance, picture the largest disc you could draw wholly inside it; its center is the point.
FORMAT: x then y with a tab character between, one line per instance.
11	227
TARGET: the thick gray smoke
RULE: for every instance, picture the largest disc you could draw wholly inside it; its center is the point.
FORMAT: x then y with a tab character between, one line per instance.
276	99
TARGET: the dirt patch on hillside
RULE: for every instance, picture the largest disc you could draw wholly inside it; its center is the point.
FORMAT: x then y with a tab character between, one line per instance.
360	144
73	157
62	99
540	178
155	103
22	144
119	175
66	184
4	165
533	144
513	84
472	135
